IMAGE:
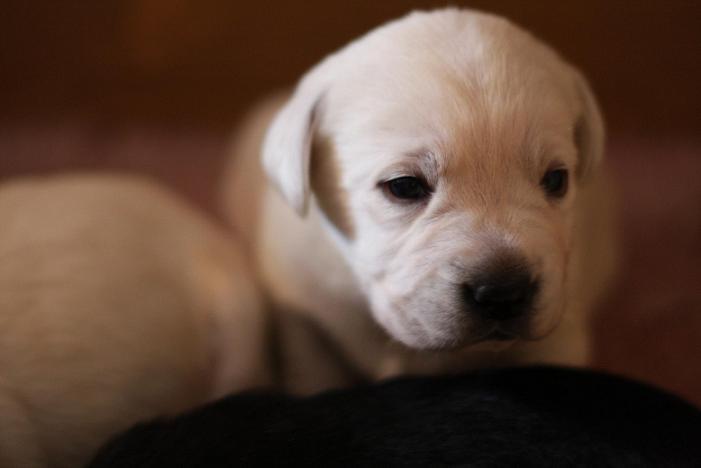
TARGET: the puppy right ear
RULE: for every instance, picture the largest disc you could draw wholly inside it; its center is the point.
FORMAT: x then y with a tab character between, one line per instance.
288	143
589	132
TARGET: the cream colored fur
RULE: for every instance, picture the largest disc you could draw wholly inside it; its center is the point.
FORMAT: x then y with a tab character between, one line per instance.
366	287
118	303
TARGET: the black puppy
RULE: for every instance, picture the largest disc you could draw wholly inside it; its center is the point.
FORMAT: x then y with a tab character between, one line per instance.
535	417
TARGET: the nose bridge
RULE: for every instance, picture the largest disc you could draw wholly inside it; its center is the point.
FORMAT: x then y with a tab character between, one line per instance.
494	229
491	199
502	210
489	191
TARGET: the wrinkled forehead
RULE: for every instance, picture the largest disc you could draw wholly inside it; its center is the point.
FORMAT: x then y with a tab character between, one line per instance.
442	95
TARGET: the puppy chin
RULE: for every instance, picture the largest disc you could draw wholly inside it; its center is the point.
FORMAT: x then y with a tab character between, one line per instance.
493	345
421	340
430	344
467	338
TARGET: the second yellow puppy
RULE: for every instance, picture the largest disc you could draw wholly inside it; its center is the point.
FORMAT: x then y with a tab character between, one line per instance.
118	303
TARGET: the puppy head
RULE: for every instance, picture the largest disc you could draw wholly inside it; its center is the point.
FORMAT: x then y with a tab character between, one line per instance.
445	150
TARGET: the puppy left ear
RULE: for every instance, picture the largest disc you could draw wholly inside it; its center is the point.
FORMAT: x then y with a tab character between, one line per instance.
589	129
288	143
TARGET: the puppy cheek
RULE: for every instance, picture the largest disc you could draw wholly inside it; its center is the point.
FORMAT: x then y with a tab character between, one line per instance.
553	297
425	317
390	317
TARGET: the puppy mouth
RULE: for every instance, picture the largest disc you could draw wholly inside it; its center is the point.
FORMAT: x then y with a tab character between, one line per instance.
495	336
495	340
499	335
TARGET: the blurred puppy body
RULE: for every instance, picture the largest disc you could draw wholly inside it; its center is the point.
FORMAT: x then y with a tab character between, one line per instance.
443	191
118	303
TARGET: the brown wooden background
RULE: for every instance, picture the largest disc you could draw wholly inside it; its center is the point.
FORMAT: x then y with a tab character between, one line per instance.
201	61
155	85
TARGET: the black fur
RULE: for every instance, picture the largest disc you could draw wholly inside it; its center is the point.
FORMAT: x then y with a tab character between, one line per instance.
537	417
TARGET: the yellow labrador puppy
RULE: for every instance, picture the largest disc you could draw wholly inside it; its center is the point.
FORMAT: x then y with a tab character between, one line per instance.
436	202
118	303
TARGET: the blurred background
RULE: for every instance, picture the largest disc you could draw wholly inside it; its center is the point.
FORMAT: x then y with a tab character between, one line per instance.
156	86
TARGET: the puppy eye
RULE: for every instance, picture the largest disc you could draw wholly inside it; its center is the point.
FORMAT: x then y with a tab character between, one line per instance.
554	182
407	188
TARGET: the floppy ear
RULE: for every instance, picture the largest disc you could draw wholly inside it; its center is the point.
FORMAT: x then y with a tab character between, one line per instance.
589	129
288	143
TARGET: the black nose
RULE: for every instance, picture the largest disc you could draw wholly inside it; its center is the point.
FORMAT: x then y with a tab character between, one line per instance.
502	291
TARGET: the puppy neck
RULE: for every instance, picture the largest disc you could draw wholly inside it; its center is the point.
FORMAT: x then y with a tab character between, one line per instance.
306	275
